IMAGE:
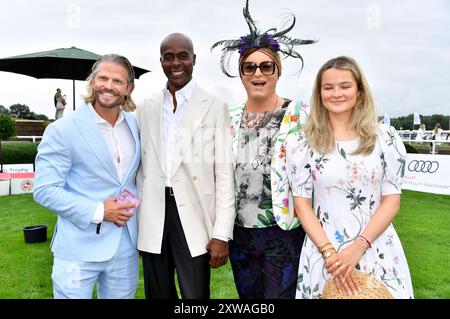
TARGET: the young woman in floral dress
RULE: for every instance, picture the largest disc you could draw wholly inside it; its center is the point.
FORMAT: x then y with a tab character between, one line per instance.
351	169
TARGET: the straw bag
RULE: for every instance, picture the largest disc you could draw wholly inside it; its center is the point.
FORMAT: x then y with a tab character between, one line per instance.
371	288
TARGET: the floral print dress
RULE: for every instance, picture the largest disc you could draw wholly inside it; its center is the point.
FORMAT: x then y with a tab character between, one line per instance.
346	190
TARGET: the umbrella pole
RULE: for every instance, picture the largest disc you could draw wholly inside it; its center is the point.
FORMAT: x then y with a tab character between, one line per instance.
73	86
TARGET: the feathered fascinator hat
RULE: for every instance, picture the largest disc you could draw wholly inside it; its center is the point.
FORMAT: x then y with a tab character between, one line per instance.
277	41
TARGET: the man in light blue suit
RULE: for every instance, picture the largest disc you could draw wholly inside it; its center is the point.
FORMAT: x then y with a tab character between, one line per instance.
84	161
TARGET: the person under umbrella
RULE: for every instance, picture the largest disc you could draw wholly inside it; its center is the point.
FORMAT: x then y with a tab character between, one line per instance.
60	103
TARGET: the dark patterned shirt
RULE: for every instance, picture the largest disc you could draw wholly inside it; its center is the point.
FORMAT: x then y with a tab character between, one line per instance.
257	136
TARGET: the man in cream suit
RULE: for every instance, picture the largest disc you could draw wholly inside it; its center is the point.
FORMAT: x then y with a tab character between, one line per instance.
186	180
83	162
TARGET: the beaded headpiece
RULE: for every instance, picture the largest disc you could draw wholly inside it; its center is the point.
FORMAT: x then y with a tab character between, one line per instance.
277	41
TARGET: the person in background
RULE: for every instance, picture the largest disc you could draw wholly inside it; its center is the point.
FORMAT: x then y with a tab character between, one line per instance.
85	160
350	169
437	133
185	181
60	104
421	135
267	238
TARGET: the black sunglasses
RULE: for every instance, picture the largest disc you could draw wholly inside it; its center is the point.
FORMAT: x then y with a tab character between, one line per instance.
266	68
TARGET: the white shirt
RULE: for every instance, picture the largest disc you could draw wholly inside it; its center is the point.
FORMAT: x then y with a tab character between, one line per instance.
420	134
172	122
121	146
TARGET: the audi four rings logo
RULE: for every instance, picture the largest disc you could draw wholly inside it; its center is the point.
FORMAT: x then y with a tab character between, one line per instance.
423	166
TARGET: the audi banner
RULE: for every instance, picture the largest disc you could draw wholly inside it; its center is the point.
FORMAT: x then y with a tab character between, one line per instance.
427	173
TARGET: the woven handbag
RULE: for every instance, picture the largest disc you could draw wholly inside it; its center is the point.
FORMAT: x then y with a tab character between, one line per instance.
371	288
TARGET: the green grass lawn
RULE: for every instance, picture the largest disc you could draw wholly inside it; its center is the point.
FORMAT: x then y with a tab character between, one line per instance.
25	269
425	148
423	225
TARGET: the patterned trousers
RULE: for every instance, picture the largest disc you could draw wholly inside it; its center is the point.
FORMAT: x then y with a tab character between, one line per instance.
265	261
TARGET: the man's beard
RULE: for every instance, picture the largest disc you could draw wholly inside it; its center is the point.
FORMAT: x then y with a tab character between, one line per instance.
118	102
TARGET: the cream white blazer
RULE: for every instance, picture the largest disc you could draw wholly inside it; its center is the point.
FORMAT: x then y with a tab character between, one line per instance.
202	173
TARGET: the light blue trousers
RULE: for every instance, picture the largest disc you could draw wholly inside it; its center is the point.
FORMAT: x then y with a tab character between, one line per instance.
116	278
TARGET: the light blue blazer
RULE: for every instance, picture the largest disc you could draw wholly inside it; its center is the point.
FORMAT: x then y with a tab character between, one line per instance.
74	172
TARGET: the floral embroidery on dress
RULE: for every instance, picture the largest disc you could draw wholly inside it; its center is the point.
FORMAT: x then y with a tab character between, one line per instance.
346	190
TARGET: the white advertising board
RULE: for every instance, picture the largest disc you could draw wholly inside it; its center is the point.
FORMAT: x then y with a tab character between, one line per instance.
427	173
18	168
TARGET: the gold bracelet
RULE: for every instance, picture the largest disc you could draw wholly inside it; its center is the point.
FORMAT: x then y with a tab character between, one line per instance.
329	253
326	251
323	246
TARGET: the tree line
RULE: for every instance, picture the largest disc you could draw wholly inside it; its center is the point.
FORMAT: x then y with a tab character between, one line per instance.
22	111
406	122
400	123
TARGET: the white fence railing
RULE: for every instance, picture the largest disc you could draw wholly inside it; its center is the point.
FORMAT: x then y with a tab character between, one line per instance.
411	135
33	137
433	143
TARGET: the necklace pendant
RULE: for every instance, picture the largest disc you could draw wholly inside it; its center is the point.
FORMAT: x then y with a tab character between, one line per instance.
255	164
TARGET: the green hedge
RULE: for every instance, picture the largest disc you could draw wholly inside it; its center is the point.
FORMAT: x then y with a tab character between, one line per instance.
19	152
410	148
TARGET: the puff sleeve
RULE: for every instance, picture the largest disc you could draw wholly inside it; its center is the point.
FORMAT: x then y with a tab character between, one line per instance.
393	156
298	167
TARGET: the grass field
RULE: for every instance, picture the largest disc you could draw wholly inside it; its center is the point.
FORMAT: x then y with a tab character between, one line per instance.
423	225
425	148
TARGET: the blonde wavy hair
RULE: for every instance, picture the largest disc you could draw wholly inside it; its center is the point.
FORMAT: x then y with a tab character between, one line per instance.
129	105
363	121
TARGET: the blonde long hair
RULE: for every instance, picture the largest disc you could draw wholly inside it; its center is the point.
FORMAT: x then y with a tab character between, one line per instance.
364	121
129	105
437	128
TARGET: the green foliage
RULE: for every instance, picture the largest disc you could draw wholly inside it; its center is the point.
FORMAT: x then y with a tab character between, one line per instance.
4	110
7	127
19	152
406	122
23	111
47	123
20	111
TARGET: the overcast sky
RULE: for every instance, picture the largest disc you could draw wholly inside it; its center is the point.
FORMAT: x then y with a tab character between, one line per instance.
403	46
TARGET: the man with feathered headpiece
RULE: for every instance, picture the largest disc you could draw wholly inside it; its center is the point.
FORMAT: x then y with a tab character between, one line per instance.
267	237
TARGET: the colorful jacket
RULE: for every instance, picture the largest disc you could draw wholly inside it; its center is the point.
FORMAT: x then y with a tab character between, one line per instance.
293	120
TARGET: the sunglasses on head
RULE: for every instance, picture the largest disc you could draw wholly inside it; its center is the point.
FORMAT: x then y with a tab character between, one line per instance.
266	68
